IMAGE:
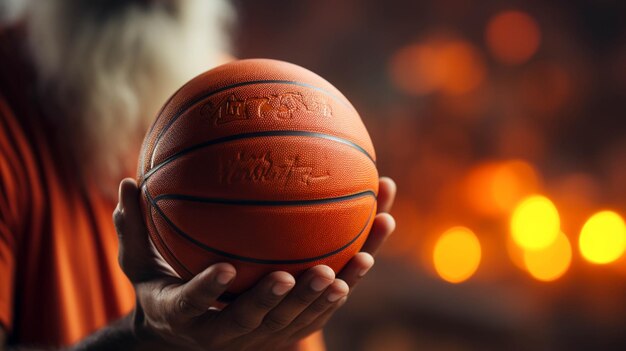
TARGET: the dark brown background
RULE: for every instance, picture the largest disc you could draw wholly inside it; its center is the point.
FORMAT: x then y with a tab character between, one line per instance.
570	129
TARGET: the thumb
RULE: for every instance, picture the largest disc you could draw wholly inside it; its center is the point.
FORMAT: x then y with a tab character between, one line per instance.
134	254
195	297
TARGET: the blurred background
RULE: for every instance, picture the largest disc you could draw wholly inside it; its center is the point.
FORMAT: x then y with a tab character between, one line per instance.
503	124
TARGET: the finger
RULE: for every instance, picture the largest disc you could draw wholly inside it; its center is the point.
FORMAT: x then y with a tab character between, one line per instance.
134	252
309	287
335	292
320	322
195	297
247	312
383	226
386	194
356	268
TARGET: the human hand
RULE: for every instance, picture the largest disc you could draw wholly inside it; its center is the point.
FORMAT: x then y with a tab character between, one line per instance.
383	226
276	313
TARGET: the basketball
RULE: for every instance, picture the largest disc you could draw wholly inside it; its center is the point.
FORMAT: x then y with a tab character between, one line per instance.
262	164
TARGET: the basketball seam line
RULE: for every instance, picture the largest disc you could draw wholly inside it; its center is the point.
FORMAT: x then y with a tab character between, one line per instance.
143	151
242	202
159	237
272	133
251	259
202	97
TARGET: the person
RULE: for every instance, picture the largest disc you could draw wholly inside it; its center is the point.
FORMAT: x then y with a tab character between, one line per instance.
80	81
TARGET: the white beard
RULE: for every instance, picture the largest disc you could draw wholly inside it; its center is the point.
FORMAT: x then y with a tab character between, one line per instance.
108	69
10	10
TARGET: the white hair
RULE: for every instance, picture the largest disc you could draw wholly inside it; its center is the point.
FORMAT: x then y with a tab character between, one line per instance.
11	10
110	65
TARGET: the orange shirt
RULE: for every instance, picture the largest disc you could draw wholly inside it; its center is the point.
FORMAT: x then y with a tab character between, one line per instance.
59	276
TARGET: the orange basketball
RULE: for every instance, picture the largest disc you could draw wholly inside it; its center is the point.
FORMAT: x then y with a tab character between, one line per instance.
262	164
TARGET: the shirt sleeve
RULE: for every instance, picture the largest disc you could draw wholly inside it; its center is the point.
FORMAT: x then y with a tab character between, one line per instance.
13	202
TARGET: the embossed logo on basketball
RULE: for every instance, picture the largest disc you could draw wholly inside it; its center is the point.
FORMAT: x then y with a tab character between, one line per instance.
281	106
263	167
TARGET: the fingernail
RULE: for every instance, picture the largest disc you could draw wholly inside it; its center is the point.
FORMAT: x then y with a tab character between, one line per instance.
319	284
280	289
334	296
364	271
225	277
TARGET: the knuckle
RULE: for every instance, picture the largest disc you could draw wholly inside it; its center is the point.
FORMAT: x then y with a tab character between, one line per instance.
303	299
265	302
319	307
242	324
275	323
301	323
118	218
188	307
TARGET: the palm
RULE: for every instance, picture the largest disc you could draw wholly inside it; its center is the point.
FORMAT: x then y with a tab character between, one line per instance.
276	311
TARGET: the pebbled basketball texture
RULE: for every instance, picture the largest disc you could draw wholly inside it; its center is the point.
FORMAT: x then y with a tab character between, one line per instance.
262	164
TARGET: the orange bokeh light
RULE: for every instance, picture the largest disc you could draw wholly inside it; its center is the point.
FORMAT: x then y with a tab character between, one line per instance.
495	188
457	255
550	263
461	67
513	37
453	67
412	69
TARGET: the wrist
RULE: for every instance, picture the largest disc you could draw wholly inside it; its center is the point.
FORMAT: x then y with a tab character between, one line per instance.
146	337
139	326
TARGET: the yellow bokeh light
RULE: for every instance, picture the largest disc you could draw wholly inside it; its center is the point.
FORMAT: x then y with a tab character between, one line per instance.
550	263
603	238
457	255
535	223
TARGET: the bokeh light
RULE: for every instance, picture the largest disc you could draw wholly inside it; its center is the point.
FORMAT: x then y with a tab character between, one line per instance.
513	37
449	66
462	68
474	107
535	223
495	188
550	263
603	237
457	255
412	69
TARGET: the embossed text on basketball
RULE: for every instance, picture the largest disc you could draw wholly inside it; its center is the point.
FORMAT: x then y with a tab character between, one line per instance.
284	106
250	167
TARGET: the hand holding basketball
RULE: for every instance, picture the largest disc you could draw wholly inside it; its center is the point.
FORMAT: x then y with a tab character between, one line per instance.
276	313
